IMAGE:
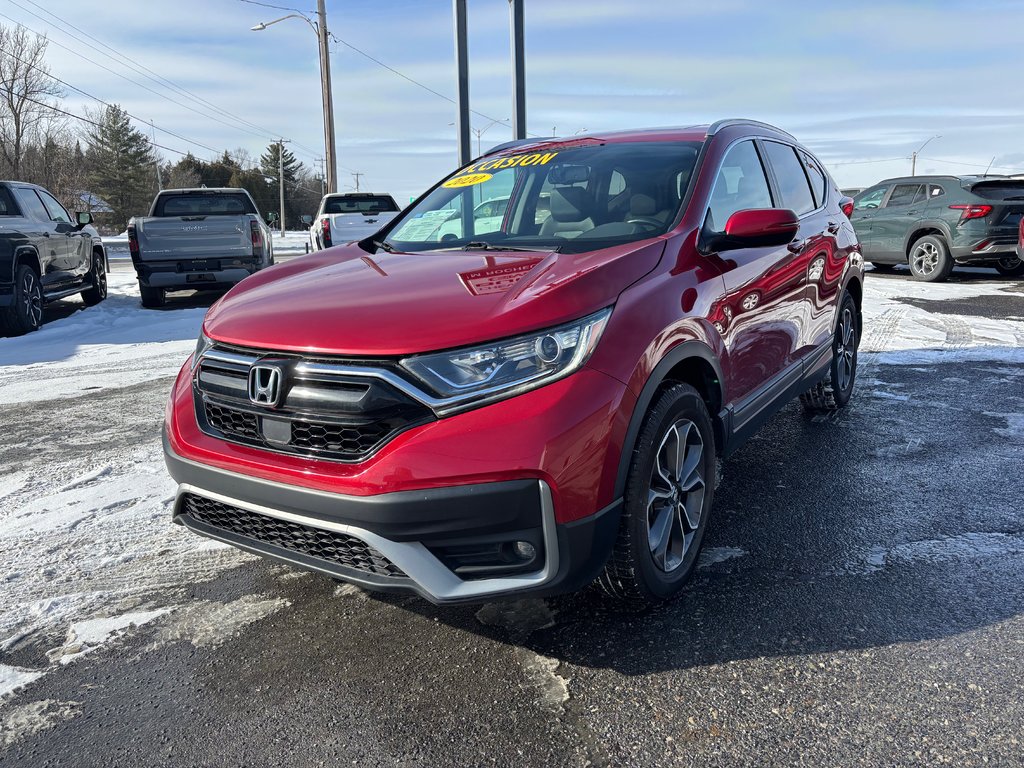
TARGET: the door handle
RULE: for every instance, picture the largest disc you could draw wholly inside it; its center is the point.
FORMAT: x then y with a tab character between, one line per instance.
833	227
911	213
797	245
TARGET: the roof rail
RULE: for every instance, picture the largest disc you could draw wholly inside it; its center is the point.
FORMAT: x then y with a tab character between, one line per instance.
716	127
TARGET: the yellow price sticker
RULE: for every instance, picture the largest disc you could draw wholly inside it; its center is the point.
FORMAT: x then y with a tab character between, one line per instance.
467	181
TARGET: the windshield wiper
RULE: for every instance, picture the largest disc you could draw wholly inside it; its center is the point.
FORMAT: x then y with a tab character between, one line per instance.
384	245
479	245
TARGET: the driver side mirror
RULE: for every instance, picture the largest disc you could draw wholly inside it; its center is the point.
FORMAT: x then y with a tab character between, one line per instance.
307	219
84	218
271	217
754	228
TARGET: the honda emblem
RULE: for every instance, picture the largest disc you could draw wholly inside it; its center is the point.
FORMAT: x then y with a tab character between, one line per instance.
265	385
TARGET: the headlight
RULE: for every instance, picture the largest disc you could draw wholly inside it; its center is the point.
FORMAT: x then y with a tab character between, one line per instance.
202	344
489	372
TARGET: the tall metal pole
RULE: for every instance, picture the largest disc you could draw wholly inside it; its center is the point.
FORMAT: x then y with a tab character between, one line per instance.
462	66
328	98
280	178
518	69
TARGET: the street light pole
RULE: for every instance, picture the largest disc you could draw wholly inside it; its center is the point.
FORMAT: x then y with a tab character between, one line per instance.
462	70
320	30
913	157
518	70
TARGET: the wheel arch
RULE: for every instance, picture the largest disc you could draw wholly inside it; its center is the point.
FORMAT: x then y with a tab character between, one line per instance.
923	228
27	255
690	362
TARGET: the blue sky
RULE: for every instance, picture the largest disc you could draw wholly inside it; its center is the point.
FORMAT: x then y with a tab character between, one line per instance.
857	82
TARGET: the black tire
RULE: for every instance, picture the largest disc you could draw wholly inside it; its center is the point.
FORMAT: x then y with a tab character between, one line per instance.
1011	266
879	267
640	573
152	298
834	391
25	314
97	290
929	259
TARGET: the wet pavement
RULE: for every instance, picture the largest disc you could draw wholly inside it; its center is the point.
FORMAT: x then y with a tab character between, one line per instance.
860	602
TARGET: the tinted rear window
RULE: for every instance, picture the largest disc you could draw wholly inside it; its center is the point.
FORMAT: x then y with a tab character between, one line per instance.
200	204
793	185
381	204
999	190
7	206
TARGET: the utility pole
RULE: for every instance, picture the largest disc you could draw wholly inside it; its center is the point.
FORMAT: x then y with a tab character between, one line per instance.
323	183
356	176
462	68
518	69
156	161
280	178
328	98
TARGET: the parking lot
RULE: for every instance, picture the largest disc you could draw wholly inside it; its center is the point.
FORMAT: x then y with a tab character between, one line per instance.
859	599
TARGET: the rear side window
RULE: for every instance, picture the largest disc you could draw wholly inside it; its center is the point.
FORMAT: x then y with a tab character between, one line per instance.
7	206
789	173
819	181
999	190
199	204
741	184
379	204
31	204
934	190
906	194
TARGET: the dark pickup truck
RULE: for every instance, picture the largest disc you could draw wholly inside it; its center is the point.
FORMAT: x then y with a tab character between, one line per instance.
45	255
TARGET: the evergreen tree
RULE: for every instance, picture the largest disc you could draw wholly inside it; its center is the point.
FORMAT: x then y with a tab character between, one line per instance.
270	165
120	165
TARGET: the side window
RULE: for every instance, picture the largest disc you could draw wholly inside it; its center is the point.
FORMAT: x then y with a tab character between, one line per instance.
55	209
934	190
31	204
905	194
819	181
789	172
7	206
741	184
871	199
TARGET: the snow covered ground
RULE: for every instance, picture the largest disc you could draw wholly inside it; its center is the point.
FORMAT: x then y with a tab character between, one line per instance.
87	550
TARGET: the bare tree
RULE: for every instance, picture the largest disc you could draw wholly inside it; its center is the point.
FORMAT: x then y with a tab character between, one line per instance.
25	92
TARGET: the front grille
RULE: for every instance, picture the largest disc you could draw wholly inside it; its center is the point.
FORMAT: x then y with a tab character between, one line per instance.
337	548
326	409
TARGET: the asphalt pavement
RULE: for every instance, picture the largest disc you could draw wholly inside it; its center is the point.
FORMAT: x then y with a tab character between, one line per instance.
860	602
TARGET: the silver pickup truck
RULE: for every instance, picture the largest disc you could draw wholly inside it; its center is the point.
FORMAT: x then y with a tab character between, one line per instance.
349	216
197	239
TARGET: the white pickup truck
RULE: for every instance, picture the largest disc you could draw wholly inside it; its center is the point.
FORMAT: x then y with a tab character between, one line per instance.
197	239
344	217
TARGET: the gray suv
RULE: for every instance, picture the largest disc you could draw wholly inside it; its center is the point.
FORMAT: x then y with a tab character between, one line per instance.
933	223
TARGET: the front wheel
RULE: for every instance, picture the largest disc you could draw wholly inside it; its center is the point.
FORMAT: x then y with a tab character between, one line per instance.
667	503
97	290
930	260
1011	266
25	314
835	390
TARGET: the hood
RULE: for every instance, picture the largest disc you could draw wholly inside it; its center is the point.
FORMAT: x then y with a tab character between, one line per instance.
344	301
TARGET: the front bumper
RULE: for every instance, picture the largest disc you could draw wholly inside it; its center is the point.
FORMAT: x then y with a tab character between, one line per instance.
407	541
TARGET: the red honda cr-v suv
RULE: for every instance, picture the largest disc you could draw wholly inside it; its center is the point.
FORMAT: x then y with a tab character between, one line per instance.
471	406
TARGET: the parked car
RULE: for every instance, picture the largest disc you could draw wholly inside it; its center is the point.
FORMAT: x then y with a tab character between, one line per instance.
45	255
343	218
852	191
197	239
933	223
1020	241
528	409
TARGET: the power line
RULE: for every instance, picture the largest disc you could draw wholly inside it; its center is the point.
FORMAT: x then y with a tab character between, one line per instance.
268	5
972	165
125	77
143	70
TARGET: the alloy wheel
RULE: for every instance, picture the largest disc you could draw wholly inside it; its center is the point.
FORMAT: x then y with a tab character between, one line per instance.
925	258
846	346
31	299
675	497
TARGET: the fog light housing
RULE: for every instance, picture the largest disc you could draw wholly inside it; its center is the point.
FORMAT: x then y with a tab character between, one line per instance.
524	550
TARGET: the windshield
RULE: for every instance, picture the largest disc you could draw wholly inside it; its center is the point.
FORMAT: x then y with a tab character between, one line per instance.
577	199
204	204
364	204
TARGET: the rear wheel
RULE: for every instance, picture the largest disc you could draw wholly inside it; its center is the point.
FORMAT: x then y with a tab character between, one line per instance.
669	492
97	290
930	260
834	391
1011	266
25	314
152	298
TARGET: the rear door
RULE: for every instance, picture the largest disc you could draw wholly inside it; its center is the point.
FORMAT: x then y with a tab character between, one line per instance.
77	258
51	245
903	209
